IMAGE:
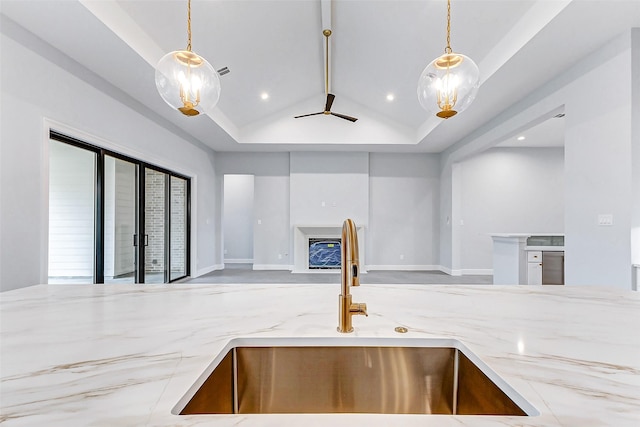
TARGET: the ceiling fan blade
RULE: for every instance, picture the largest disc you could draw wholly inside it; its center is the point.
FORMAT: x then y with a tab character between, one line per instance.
330	98
342	116
307	115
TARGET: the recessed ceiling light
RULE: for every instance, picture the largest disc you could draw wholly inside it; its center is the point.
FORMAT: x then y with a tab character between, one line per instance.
264	95
521	138
390	97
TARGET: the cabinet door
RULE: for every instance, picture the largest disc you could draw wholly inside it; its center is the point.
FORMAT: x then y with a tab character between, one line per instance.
534	273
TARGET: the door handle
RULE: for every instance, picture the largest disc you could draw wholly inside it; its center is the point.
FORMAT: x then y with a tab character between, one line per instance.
146	240
135	240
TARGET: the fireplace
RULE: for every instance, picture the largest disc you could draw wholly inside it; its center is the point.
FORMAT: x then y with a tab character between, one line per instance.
306	235
324	253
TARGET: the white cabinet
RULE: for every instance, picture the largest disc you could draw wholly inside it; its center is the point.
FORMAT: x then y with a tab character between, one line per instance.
534	267
534	256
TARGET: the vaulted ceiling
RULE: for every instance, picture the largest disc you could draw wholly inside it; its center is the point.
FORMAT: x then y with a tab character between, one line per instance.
378	48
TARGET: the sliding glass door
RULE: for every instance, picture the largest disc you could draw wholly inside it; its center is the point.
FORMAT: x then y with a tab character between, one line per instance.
72	195
114	219
178	225
120	207
155	218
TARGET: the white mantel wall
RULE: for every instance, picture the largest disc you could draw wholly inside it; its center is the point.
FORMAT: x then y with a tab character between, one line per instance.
328	187
39	83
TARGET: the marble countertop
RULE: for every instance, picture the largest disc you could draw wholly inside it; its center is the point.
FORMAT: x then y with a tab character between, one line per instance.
117	355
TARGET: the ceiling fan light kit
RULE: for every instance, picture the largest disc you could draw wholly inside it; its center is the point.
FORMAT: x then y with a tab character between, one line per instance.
449	84
186	81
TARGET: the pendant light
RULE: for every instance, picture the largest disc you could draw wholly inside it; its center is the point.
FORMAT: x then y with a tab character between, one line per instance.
448	85
186	81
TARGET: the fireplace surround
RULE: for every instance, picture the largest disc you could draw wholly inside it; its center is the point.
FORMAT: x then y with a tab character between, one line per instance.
301	236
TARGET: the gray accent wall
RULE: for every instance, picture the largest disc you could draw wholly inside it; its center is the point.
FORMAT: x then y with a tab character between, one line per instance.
404	211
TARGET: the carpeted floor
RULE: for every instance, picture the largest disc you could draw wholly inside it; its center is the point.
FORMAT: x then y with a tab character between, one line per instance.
243	273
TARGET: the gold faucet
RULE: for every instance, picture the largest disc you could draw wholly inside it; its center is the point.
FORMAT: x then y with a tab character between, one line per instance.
350	265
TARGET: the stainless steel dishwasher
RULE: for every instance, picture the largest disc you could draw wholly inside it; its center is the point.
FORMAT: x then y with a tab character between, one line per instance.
553	268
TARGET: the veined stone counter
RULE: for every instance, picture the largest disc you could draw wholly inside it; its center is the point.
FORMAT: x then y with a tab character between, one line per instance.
114	355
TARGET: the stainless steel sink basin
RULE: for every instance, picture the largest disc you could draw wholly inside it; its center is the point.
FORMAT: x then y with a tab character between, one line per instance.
385	376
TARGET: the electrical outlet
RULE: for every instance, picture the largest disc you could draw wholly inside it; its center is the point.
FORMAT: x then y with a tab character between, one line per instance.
259	222
605	219
401	256
279	256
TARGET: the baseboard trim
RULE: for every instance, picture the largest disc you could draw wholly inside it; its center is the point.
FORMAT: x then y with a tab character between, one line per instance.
449	271
281	267
477	271
238	261
409	267
319	271
209	269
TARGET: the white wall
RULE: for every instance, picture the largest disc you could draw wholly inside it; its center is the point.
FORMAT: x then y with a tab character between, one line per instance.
238	218
394	195
508	190
596	96
599	174
37	84
404	211
635	147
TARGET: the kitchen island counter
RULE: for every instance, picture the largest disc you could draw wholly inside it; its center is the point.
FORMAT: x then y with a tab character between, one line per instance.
124	355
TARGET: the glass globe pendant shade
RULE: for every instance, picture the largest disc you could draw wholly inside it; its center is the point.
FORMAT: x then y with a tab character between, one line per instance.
187	82
448	85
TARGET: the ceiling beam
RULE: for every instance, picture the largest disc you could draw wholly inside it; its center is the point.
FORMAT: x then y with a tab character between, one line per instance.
325	7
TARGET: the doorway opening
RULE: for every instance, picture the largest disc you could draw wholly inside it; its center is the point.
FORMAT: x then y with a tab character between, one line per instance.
238	221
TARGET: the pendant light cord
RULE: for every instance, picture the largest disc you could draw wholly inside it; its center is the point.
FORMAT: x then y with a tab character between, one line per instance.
448	48
189	24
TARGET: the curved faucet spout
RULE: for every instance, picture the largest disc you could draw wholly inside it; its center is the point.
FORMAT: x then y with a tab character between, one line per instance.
350	266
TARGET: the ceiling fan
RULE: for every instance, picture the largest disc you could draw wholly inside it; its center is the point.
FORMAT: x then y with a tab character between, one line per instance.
330	97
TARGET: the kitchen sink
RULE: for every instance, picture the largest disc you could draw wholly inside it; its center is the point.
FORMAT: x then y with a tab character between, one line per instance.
384	376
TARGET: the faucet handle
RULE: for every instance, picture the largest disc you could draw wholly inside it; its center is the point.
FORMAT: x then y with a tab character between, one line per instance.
359	308
355	277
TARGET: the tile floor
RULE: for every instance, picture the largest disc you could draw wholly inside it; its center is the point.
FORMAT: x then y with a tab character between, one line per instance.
243	273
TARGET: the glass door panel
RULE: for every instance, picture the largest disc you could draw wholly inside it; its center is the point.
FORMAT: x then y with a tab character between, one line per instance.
72	203
178	229
155	219
119	220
